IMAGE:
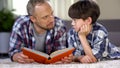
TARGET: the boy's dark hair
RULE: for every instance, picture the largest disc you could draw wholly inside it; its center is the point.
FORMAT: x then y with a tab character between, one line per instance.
84	9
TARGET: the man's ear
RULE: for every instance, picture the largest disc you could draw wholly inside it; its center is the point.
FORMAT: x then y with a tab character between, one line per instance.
32	18
89	20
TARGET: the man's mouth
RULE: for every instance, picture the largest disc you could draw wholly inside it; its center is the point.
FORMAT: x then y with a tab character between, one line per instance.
51	23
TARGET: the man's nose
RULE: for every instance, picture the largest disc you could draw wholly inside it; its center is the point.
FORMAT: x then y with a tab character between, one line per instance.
51	17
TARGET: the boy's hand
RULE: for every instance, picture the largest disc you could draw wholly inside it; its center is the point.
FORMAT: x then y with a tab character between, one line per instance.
85	30
21	58
86	59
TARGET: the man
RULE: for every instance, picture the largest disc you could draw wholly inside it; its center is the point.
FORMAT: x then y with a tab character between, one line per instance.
38	30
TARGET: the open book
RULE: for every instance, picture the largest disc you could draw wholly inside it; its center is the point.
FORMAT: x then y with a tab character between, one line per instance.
44	58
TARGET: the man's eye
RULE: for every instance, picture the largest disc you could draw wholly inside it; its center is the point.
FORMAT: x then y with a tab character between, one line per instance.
45	17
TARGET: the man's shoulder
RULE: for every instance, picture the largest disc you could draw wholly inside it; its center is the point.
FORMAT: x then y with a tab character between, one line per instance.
59	22
71	31
59	26
57	18
22	21
23	18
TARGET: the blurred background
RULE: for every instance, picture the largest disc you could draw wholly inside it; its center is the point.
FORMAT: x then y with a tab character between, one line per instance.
10	9
110	9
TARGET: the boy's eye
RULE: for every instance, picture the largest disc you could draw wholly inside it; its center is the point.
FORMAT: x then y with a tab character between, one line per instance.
74	20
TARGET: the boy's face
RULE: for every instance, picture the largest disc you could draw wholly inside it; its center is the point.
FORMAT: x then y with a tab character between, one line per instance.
78	23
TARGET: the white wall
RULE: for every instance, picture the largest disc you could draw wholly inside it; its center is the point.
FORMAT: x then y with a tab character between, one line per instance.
110	9
20	7
3	4
61	7
6	4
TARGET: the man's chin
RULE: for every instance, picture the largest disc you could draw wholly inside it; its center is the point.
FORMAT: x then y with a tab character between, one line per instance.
50	27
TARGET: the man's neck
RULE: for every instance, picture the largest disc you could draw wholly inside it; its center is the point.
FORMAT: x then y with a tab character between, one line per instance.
38	30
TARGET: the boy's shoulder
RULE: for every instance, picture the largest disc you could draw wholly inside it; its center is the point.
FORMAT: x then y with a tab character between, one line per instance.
99	29
98	26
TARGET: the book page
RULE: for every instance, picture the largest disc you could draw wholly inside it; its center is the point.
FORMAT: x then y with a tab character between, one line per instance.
37	52
60	52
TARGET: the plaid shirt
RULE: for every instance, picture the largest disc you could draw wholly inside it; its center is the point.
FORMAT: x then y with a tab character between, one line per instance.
98	40
22	36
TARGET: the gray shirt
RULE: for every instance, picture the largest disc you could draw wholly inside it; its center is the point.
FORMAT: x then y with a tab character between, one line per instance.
40	40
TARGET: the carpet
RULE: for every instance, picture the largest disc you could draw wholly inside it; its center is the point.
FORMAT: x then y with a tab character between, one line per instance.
6	63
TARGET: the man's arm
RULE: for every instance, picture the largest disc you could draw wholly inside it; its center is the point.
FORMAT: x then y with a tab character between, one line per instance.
17	41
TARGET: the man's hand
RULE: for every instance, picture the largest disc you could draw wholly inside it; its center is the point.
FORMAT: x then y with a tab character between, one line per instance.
21	58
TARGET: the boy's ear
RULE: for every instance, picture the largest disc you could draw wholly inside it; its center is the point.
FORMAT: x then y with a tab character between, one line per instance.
89	20
32	18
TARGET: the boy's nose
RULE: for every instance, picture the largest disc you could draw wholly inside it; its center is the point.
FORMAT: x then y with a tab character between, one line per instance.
73	23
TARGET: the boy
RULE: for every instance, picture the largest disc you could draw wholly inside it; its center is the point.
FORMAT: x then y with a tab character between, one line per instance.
89	37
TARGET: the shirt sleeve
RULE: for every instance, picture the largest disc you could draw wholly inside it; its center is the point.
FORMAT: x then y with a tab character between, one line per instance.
100	43
16	38
15	43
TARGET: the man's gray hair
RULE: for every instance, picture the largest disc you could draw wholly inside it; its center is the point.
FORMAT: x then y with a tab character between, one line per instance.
31	5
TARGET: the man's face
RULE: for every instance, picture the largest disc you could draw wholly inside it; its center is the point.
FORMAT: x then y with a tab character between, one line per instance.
43	17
